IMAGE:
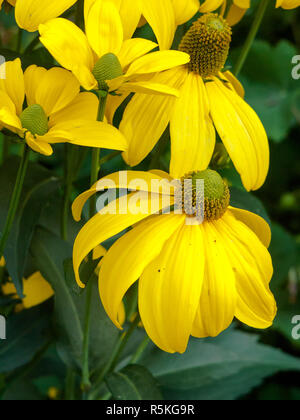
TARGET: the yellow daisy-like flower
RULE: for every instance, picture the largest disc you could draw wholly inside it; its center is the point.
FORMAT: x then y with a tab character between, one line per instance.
56	111
101	54
194	278
209	100
239	7
163	17
31	13
36	291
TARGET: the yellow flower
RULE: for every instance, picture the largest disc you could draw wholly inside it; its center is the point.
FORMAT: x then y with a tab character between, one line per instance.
209	100
163	16
101	54
194	278
56	110
240	7
36	291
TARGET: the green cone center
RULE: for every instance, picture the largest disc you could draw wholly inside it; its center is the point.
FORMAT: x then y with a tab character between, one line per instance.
107	67
216	194
35	120
207	42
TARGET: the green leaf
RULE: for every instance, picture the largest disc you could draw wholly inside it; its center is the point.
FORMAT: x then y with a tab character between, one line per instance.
27	332
222	368
38	186
50	253
134	383
270	90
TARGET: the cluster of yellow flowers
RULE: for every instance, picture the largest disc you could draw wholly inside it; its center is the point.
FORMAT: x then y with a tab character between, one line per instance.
194	278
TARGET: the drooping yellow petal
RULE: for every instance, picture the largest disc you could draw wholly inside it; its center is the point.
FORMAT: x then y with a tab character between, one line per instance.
241	132
256	223
147	116
156	62
234	83
57	89
185	10
170	290
13	83
84	107
89	134
161	18
70	47
129	256
256	305
133	180
130	13
104	28
235	14
149	87
113	103
210	5
8	116
38	144
113	219
133	49
193	135
219	297
31	13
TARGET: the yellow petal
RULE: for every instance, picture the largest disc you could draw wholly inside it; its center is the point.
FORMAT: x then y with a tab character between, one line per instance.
161	18
149	87
57	89
36	290
193	135
147	116
84	107
31	13
170	290
32	77
37	144
13	83
156	62
113	219
256	305
113	103
288	4
135	180
70	47
256	223
129	256
210	5
241	132
89	134
99	252
243	4
133	49
235	14
8	117
104	28
185	10
234	82
130	13
219	297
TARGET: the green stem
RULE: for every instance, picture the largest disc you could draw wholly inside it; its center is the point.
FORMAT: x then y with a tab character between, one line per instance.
70	385
113	361
5	150
14	203
140	350
263	4
32	45
69	155
86	340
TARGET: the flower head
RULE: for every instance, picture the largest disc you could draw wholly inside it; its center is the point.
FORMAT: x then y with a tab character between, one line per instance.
45	107
194	277
85	53
210	100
